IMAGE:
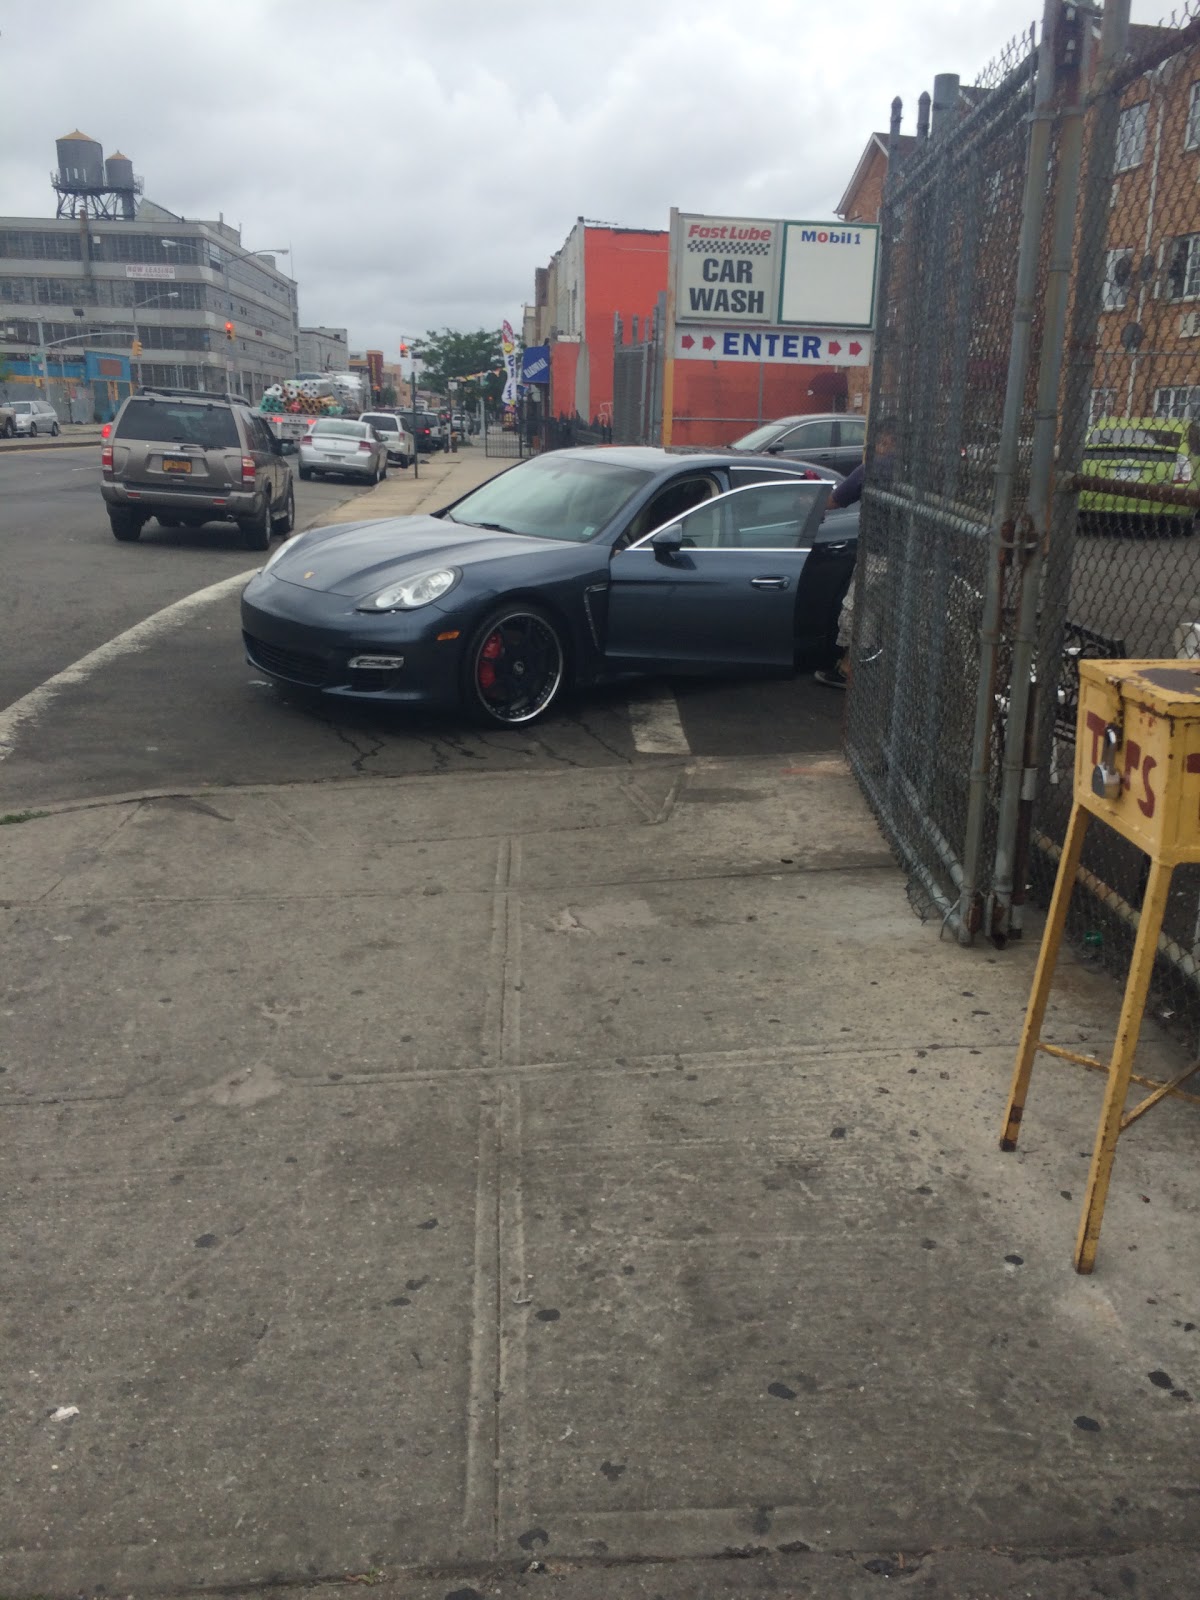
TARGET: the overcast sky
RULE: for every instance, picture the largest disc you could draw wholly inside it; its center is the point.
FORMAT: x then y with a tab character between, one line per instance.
422	159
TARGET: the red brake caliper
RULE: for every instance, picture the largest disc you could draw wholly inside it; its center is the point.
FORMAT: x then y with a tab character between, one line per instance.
492	650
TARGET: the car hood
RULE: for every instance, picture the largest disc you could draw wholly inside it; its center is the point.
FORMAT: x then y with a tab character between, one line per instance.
365	556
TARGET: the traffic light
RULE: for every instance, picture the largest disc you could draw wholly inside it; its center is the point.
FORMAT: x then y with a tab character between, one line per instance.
403	349
229	331
137	347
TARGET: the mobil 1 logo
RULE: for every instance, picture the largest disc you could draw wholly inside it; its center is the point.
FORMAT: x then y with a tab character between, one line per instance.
727	269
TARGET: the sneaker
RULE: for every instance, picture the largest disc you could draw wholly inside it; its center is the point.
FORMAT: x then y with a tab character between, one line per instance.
831	677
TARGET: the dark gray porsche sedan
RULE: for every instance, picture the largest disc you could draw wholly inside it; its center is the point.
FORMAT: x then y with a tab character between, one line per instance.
574	567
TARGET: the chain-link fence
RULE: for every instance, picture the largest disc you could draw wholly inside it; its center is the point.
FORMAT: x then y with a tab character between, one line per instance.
1034	464
1124	568
928	573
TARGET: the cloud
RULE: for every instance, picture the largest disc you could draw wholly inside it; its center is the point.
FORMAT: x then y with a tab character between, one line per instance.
422	160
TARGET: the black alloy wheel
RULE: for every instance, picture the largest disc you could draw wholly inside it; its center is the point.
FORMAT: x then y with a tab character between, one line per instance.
515	667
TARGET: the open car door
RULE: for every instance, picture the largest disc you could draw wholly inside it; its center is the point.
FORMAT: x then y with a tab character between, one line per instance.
715	590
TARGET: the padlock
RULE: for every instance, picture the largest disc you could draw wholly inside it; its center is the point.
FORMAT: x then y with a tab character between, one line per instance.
1106	780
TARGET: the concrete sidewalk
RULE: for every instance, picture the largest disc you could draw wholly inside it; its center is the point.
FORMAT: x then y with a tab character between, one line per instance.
440	478
73	435
568	1180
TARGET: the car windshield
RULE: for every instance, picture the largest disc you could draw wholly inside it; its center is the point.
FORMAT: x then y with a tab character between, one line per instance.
179	422
383	424
348	430
758	438
553	496
1126	438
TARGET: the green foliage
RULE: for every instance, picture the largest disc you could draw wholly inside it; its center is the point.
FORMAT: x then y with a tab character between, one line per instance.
462	356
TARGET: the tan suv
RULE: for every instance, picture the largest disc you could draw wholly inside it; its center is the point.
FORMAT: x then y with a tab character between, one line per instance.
187	458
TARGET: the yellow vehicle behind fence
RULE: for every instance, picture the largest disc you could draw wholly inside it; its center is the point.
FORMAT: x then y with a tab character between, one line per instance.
1159	452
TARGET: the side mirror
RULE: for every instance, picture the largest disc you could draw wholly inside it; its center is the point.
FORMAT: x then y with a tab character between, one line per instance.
667	541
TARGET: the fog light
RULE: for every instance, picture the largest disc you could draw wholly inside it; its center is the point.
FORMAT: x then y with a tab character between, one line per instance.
376	663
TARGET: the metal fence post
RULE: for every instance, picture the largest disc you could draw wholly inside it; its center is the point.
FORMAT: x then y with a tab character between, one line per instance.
1001	528
1063	40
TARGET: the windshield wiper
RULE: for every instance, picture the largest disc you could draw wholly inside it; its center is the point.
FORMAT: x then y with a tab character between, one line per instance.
488	527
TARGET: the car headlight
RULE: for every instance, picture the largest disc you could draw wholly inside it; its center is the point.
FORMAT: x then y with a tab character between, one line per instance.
413	593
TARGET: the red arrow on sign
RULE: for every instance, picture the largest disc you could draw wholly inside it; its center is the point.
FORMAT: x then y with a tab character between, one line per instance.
834	347
709	342
855	347
687	341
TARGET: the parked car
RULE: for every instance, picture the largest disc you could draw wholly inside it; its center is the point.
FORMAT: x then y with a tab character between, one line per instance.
572	567
186	458
8	422
830	439
427	432
351	448
35	416
1143	450
401	448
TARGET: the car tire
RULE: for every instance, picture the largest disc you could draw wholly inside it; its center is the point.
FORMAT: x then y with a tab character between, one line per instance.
531	641
256	531
54	431
125	524
33	430
383	472
305	474
286	522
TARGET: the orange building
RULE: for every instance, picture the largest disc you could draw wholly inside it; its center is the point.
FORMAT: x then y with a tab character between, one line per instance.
601	272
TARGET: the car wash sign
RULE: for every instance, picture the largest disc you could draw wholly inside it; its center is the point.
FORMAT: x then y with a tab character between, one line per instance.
726	269
783	347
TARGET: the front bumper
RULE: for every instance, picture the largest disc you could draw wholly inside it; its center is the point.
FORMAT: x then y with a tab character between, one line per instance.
309	639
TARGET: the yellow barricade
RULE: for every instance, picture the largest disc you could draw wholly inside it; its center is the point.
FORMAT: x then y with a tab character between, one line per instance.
1137	768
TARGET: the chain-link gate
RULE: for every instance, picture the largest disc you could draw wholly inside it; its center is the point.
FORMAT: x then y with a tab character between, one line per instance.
1124	558
1034	469
637	380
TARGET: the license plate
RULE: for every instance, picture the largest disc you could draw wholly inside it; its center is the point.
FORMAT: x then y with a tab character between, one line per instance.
176	464
1127	474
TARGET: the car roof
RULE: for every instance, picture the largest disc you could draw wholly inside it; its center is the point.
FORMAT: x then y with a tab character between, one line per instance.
654	458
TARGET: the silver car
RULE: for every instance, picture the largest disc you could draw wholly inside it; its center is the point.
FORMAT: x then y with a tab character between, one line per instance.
35	416
399	441
353	449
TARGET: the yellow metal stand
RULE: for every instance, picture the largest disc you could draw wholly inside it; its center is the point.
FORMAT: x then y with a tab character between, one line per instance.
1137	768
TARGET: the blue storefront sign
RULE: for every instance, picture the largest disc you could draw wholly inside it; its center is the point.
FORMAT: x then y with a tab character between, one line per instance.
535	364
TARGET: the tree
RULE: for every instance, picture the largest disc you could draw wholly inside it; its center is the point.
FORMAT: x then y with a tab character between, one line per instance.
462	356
387	395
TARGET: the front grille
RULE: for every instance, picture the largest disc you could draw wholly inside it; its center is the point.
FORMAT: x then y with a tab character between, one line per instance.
294	665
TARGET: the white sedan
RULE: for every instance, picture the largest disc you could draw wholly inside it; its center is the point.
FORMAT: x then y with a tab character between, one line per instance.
399	441
350	448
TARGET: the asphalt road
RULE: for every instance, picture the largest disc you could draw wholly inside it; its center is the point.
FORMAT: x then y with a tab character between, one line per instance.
186	710
69	586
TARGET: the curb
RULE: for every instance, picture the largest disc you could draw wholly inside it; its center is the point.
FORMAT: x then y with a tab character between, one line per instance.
61	443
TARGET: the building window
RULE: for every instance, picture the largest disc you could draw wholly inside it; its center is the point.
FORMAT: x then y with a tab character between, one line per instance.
1103	404
1118	269
1178	402
1183	267
1191	134
1131	136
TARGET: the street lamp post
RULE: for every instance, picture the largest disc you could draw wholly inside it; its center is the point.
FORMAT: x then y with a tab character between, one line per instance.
153	300
227	255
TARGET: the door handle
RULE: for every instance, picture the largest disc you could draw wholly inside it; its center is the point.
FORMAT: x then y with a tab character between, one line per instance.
769	583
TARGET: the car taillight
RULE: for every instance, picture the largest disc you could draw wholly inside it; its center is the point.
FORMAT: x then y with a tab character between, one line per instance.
307	439
106	458
1183	470
247	469
365	444
106	431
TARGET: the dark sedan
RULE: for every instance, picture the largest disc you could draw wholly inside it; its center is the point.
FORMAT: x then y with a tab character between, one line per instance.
831	440
574	567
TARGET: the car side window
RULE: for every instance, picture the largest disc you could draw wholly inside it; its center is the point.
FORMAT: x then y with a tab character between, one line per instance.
808	436
669	503
852	431
774	516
